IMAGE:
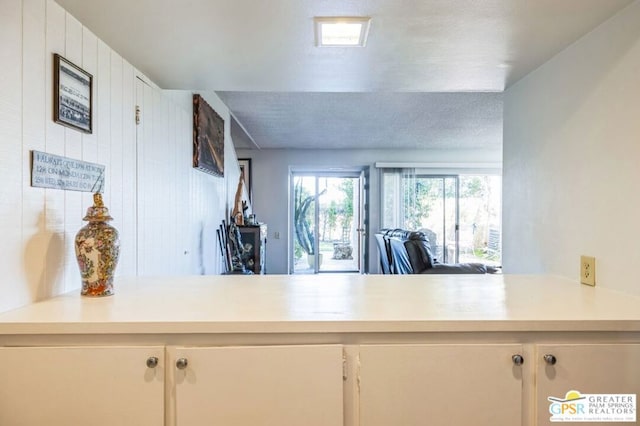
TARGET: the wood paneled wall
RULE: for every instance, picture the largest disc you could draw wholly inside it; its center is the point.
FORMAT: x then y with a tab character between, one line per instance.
173	230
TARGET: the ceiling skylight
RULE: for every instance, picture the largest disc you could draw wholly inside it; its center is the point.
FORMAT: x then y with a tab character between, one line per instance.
341	31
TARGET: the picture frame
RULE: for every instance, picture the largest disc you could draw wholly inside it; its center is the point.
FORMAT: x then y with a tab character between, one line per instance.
245	173
208	138
72	95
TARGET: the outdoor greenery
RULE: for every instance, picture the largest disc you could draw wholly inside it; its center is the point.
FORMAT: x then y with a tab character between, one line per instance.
336	213
304	230
416	202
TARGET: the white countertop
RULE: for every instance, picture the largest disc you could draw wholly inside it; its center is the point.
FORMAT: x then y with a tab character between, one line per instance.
332	303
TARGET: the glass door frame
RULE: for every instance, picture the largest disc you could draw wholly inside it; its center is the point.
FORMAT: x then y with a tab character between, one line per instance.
400	213
361	214
456	229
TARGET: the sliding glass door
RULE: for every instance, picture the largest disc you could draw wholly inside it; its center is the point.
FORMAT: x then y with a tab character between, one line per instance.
327	222
459	213
426	203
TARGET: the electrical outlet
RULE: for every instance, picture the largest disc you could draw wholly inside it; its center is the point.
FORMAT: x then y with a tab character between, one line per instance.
588	270
276	235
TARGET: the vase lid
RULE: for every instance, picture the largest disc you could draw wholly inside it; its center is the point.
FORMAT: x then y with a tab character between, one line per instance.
98	212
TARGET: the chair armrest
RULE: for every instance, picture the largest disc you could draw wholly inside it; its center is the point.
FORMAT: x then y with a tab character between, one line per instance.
456	268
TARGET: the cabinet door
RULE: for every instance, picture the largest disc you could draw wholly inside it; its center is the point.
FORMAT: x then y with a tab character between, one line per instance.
257	386
81	386
588	369
413	385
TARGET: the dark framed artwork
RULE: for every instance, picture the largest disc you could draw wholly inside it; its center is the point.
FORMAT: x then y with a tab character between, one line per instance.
208	138
245	173
72	95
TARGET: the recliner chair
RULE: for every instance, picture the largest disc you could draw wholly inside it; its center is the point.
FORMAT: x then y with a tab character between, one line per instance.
410	253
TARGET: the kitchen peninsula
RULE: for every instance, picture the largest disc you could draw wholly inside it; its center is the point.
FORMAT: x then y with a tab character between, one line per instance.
317	350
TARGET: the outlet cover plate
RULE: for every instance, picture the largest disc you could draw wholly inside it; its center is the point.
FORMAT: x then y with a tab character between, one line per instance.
588	270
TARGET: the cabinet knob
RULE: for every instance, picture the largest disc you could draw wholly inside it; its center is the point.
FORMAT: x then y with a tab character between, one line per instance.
518	359
181	363
550	359
152	362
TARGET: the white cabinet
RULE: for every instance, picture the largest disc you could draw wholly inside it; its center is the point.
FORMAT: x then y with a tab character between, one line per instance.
466	384
586	368
98	386
292	385
256	385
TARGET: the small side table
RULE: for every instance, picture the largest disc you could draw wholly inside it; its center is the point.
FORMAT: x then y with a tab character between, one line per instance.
254	237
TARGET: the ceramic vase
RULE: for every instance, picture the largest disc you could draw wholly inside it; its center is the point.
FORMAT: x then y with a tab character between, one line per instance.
97	250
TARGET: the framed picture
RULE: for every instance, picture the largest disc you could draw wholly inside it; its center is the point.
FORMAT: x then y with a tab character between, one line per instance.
73	92
208	138
245	173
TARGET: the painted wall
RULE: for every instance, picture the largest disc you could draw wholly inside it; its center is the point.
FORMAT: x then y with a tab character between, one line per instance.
181	207
271	191
572	157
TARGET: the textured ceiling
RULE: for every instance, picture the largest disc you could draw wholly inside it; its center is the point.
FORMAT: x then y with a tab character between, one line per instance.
368	120
243	47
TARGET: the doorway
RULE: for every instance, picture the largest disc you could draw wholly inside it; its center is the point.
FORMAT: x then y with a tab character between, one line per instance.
327	225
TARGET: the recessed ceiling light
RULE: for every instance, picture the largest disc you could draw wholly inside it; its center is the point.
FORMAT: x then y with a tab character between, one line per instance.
341	31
